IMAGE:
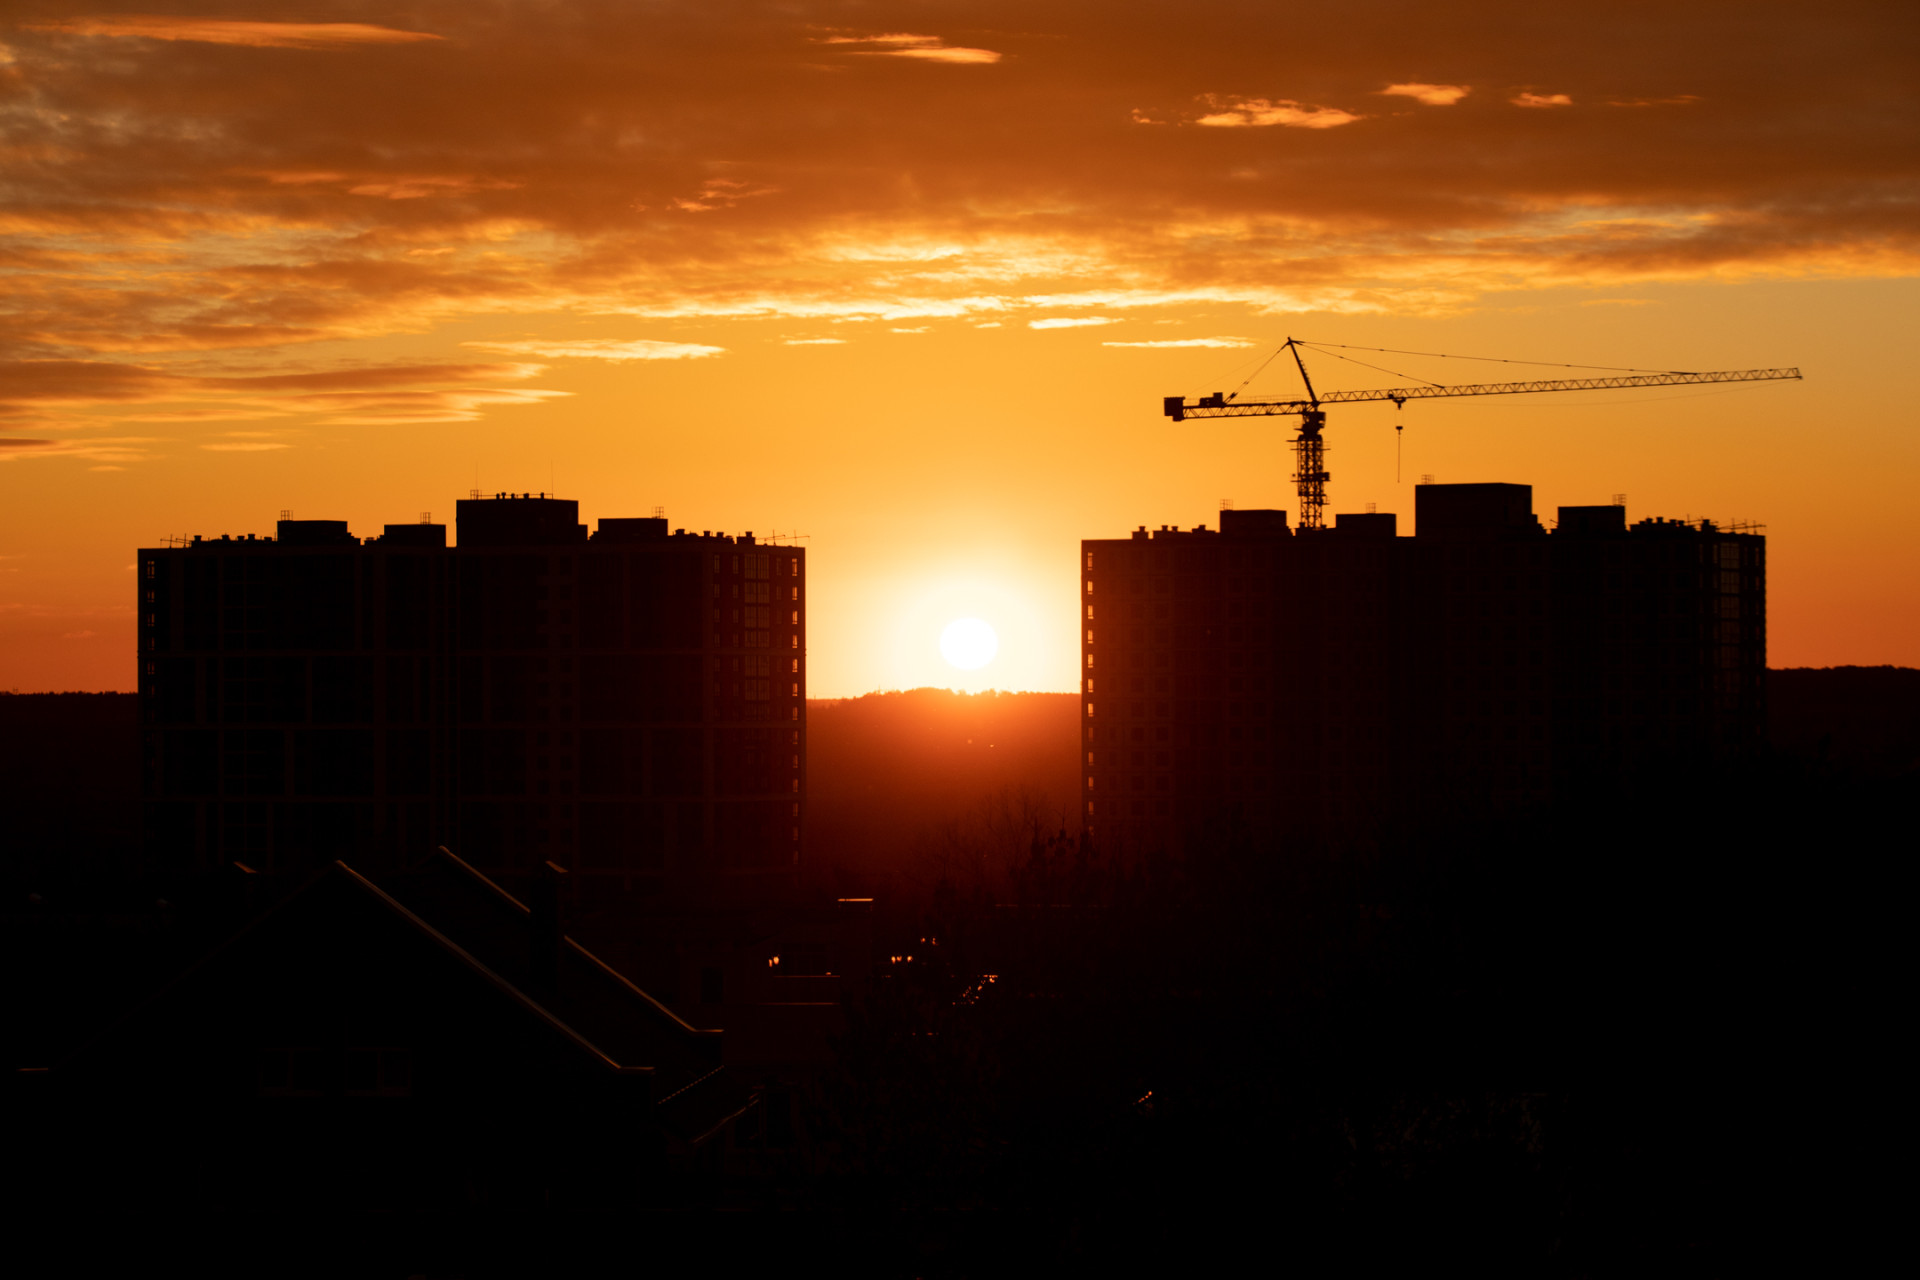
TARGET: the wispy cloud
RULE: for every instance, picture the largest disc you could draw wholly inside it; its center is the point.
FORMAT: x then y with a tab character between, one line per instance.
1677	100
420	186
903	45
1531	99
1257	113
603	349
1071	322
75	394
263	35
1433	95
814	342
104	449
1187	342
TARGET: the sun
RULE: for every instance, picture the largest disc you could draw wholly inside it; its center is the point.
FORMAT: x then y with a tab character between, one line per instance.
969	643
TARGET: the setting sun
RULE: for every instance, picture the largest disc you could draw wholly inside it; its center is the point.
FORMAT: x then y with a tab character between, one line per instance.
969	643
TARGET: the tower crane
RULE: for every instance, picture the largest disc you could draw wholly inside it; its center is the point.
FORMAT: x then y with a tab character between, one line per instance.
1309	450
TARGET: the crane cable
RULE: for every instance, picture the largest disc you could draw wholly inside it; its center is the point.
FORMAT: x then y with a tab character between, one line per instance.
1256	373
1442	355
1315	347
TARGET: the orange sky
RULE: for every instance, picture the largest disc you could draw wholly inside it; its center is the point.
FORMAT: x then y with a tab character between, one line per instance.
911	279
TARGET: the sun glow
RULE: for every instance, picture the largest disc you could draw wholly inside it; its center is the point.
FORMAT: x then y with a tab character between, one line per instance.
969	643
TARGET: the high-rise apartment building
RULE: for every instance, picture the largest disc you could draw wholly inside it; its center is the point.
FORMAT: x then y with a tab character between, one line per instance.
630	703
1332	685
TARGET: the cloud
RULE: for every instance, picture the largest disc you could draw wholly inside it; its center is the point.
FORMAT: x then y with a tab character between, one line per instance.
82	394
814	342
1254	113
261	35
1433	95
7	442
183	220
720	193
1541	100
1065	322
604	349
1187	342
244	446
203	415
419	186
98	448
901	45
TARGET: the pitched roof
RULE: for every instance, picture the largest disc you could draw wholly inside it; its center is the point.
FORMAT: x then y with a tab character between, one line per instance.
607	1021
586	993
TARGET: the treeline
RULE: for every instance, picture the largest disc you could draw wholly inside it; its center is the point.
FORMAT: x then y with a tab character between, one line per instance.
909	789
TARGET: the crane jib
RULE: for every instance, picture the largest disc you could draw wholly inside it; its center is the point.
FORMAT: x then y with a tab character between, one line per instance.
1220	406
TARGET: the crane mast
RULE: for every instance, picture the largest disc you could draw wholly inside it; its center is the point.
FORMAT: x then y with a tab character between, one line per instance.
1309	449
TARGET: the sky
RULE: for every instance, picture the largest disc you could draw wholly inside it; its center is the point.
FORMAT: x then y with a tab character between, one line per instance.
908	281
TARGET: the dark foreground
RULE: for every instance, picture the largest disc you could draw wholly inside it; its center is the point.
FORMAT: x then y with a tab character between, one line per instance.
1649	1033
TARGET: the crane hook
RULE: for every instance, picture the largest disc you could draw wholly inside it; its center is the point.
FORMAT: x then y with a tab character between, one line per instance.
1399	408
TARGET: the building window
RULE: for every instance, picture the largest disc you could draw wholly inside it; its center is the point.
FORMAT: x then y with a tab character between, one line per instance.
292	1073
379	1073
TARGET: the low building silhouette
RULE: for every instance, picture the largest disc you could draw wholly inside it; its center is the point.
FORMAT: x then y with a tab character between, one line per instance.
425	1040
1331	684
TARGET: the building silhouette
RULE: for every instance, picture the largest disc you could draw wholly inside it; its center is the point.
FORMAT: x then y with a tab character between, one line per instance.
629	704
1330	685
